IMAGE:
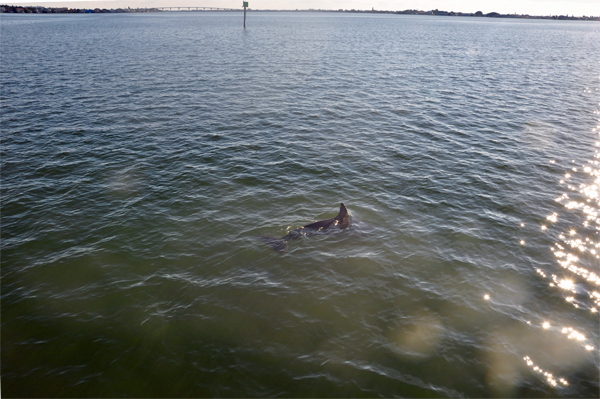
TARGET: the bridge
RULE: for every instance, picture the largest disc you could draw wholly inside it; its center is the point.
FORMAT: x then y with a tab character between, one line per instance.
197	9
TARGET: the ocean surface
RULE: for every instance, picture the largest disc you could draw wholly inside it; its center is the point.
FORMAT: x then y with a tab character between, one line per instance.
142	155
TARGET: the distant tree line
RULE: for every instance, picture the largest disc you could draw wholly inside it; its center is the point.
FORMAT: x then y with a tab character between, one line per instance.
474	14
453	14
66	10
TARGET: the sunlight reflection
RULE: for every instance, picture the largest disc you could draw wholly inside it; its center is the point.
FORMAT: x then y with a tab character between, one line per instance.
577	250
582	244
567	285
573	226
549	377
573	334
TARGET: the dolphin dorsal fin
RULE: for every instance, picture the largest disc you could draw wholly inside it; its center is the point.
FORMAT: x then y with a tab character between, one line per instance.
343	212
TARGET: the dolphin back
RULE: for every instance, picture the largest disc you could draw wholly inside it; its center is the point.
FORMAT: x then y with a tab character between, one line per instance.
342	221
278	244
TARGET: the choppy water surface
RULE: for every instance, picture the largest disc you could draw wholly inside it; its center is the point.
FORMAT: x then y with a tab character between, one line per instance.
142	155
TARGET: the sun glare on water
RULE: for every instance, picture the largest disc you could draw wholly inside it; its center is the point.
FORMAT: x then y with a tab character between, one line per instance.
572	228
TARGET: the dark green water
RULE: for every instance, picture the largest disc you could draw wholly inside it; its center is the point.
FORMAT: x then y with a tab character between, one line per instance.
142	155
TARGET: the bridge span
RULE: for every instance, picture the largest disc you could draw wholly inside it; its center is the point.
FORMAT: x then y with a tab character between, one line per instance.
199	8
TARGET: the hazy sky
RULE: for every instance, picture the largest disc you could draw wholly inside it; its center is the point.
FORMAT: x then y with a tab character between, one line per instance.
533	7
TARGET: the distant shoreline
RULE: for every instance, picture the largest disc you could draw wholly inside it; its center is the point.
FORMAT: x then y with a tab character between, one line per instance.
66	10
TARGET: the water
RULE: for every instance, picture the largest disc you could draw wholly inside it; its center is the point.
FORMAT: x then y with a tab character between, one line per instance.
142	155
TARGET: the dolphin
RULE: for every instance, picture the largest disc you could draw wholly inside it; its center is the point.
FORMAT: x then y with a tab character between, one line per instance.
341	221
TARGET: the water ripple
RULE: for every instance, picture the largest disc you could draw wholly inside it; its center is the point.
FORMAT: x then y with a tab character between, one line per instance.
139	167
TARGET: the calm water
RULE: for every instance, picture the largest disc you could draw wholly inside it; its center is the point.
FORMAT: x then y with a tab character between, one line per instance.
142	155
